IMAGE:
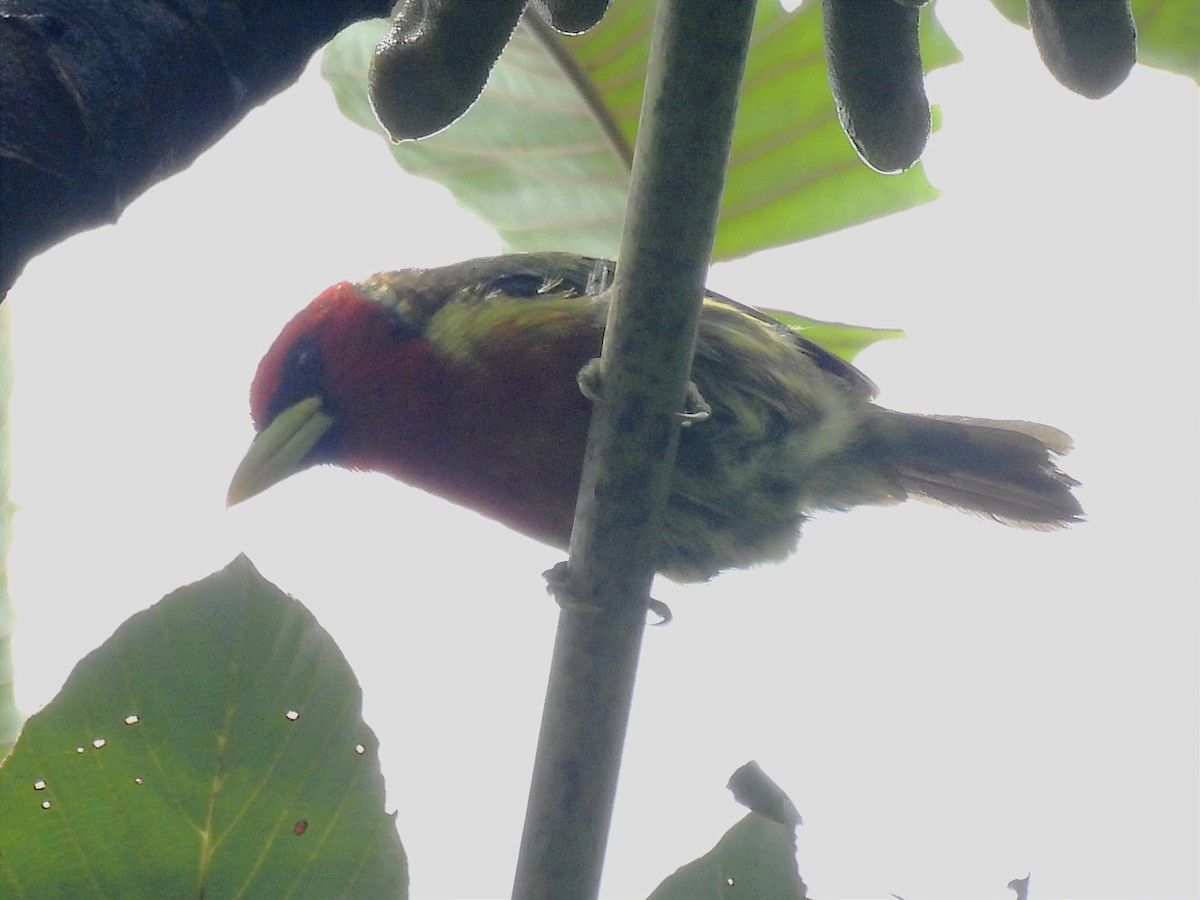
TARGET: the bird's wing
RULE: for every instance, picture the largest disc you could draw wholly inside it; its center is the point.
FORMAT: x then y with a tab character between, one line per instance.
538	274
823	359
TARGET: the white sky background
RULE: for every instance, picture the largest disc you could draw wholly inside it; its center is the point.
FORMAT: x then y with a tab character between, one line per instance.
950	703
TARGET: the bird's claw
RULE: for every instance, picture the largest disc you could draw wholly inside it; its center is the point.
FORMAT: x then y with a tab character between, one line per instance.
591	380
695	407
558	586
661	610
591	384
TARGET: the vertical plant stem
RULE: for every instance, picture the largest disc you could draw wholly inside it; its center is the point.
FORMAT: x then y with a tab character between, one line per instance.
696	62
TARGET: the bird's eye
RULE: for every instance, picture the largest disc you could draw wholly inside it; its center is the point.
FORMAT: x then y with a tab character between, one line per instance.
301	375
302	366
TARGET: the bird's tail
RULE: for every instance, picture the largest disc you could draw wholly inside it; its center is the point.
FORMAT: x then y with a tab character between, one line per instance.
1001	469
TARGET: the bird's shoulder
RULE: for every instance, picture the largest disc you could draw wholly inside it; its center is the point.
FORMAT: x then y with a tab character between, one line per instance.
734	324
519	304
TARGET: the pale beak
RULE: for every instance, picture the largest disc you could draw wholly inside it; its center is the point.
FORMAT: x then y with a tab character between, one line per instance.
281	449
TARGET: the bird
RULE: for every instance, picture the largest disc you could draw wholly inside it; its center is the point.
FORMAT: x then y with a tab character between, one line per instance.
464	381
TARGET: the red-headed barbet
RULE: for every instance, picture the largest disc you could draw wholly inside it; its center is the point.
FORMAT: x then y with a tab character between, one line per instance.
463	381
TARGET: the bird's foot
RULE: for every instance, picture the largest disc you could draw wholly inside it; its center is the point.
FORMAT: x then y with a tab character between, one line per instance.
558	586
591	384
695	407
591	380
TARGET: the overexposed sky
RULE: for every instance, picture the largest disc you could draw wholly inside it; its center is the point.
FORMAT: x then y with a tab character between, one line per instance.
950	703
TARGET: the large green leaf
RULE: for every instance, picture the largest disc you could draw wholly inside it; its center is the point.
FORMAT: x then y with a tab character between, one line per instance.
213	746
755	858
1168	32
840	339
543	156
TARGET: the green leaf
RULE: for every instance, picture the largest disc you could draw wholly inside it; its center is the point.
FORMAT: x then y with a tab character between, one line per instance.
1168	33
213	746
756	858
543	156
757	791
846	341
